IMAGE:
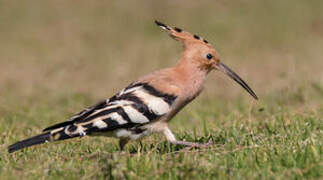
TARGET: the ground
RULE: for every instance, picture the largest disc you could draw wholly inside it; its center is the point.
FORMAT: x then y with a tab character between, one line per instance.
58	57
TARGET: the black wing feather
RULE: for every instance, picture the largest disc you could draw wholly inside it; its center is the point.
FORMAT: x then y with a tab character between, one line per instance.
80	116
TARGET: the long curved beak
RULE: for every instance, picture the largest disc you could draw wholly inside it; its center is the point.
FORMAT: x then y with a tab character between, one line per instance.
225	69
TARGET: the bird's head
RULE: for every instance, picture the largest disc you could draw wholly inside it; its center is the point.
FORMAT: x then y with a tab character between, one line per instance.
199	51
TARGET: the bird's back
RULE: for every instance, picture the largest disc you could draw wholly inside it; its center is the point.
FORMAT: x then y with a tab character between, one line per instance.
138	104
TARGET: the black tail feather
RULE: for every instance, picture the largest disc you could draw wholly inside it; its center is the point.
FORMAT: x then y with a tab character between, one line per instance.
39	139
42	138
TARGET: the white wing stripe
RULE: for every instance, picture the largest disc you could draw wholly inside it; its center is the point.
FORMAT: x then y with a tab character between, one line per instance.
132	89
100	124
156	104
134	115
121	102
115	116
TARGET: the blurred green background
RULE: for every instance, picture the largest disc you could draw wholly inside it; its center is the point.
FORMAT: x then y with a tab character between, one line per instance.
97	47
57	57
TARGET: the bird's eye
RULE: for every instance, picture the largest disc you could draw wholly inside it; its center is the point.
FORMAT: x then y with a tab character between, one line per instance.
209	56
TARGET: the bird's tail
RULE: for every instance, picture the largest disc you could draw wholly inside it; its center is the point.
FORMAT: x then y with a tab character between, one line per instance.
40	139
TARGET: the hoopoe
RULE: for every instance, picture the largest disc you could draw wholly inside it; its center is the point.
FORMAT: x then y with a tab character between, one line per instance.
148	104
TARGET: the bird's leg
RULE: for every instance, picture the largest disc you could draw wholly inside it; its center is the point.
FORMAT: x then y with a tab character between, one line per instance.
171	138
122	143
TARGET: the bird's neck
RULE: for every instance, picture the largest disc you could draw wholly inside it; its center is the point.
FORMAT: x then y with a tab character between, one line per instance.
191	76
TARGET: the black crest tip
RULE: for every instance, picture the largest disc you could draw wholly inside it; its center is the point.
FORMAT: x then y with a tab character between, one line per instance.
178	29
196	36
162	25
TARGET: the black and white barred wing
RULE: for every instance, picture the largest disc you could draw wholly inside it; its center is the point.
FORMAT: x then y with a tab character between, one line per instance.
126	112
134	106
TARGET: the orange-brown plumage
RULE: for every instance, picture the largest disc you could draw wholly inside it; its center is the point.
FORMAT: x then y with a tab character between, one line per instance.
146	106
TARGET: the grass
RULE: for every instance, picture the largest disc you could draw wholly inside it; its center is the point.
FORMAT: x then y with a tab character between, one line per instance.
266	142
59	57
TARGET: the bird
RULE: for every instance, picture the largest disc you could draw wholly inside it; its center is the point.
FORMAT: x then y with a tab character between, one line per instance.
146	105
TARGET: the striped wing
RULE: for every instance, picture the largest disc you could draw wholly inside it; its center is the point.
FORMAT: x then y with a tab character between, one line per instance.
134	106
